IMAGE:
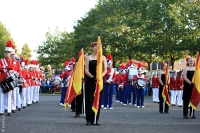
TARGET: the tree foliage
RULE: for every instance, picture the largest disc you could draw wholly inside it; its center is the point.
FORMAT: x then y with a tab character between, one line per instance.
4	37
26	52
145	30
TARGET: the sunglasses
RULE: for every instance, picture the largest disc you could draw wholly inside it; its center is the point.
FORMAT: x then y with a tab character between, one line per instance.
7	52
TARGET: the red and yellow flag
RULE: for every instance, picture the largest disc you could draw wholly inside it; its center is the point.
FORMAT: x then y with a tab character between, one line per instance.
75	84
165	92
69	88
195	97
99	83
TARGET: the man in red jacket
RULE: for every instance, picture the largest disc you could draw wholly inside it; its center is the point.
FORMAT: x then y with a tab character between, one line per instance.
155	86
173	88
7	66
16	100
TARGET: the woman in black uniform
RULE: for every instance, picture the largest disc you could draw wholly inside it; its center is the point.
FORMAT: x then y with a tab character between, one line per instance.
161	78
188	73
90	84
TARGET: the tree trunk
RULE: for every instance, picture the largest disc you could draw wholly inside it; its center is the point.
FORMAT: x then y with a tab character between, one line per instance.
172	62
149	66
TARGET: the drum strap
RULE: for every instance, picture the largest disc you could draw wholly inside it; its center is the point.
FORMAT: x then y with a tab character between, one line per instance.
4	62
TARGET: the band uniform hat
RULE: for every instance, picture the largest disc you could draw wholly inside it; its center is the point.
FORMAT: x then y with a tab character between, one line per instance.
9	46
139	66
109	58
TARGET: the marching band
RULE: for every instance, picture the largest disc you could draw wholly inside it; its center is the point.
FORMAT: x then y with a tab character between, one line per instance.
20	84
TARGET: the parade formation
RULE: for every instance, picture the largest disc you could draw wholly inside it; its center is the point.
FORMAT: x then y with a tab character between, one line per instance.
19	82
128	83
88	85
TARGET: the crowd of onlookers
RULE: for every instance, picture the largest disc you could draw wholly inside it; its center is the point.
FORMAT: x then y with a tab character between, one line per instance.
47	86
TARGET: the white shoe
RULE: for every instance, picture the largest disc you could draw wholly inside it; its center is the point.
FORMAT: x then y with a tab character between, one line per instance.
143	107
61	104
124	104
135	105
117	101
130	103
138	106
104	108
121	102
111	108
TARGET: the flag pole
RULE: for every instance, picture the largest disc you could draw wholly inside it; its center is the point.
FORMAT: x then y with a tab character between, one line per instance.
84	98
95	119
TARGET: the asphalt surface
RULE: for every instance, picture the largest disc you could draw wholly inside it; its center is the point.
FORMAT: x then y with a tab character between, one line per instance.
48	116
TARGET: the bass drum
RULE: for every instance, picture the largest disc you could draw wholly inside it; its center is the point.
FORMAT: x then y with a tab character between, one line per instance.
57	81
141	83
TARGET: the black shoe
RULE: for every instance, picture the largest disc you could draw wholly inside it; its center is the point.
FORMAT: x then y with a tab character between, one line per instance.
34	102
185	117
73	111
13	111
193	117
6	111
98	123
9	114
19	109
88	123
1	114
77	115
37	102
24	107
28	104
180	106
166	112
162	112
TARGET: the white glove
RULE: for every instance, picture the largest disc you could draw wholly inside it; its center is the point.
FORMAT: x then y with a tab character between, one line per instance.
5	70
108	81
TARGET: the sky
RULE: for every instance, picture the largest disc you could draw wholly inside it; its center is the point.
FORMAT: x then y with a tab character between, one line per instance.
29	20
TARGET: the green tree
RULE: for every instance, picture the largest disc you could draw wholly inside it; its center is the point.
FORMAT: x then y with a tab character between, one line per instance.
4	37
26	52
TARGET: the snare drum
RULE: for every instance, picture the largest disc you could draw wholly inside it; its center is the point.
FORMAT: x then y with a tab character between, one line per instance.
141	83
57	81
8	84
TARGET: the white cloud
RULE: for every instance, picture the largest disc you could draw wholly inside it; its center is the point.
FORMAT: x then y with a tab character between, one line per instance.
28	20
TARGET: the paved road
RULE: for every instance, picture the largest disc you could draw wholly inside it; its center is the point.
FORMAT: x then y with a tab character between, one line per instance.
48	116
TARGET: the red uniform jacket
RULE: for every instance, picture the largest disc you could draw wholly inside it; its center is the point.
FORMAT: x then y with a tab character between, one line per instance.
123	79
23	73
106	77
139	76
172	85
179	83
155	82
32	78
7	64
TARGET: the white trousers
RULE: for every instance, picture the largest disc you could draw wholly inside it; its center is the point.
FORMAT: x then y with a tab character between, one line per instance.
155	94
35	90
8	101
14	101
179	97
28	95
31	93
1	101
23	97
18	98
173	96
38	93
